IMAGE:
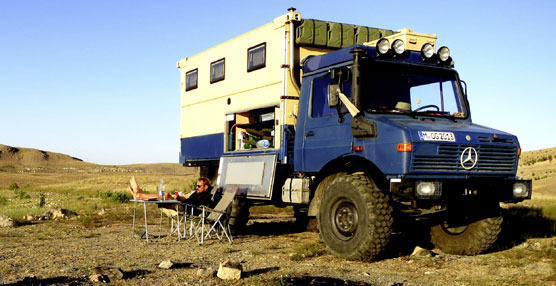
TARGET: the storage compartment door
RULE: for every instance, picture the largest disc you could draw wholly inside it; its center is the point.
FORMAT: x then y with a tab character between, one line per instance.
254	174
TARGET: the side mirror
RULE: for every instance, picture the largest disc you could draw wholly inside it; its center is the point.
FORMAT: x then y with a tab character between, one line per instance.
333	95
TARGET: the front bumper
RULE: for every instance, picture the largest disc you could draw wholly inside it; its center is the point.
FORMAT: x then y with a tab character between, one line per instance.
509	190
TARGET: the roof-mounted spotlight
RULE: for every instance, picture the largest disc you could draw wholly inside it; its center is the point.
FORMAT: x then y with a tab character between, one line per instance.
383	46
398	46
444	54
427	51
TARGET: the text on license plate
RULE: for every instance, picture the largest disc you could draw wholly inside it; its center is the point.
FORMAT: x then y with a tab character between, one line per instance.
436	136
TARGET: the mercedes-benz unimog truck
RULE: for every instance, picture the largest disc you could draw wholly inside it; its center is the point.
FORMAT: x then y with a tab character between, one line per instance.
356	127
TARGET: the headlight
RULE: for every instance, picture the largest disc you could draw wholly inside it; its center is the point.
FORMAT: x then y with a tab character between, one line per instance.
428	190
427	51
520	190
443	54
398	46
383	46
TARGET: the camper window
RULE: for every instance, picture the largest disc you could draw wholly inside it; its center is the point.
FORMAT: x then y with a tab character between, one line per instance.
256	57
191	80
217	71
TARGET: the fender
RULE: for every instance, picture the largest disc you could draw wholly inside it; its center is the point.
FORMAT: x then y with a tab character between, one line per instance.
344	165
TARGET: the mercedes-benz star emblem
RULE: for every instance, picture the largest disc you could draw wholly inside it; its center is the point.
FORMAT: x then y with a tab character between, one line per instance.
469	158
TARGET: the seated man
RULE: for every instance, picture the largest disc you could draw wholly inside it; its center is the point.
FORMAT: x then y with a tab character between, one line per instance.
201	196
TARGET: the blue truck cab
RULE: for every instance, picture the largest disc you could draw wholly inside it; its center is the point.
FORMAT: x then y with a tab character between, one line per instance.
409	142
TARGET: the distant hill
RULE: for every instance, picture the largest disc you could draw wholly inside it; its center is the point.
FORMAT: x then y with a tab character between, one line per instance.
540	166
17	159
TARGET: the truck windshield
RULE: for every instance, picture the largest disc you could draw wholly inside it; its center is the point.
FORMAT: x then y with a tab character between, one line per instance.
405	89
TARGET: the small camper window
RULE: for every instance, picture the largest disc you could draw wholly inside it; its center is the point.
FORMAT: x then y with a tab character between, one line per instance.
217	71
191	80
256	57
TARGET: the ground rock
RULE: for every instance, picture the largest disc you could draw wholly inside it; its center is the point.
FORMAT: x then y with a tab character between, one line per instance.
29	217
419	251
99	278
112	273
6	221
229	270
206	272
166	264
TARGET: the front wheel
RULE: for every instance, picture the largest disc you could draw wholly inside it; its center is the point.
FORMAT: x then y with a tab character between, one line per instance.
354	217
467	237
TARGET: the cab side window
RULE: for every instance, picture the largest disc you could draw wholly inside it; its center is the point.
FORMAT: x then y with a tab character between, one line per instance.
319	100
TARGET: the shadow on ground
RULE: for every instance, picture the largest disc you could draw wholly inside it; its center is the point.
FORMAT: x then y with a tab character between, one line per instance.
63	280
521	223
313	281
270	228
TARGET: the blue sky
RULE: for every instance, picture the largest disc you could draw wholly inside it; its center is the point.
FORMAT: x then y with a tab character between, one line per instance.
98	80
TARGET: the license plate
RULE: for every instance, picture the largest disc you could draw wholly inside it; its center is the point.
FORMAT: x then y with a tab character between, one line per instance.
436	136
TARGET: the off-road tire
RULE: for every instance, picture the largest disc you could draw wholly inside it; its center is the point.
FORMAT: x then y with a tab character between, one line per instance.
473	239
354	217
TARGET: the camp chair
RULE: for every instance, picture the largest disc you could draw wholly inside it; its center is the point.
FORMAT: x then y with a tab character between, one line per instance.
216	219
188	213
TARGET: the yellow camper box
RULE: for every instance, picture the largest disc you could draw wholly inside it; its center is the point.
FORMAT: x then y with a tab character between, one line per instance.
240	94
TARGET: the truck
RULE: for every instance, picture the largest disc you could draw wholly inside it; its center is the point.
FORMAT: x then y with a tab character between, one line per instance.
356	127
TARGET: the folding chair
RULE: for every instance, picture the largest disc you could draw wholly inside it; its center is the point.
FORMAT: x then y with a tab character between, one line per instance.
216	219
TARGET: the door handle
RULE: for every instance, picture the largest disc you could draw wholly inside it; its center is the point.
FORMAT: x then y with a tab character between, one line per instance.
309	134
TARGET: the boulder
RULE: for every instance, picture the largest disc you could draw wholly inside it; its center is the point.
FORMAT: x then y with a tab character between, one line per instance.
99	278
206	272
107	272
6	221
166	264
29	217
419	251
229	270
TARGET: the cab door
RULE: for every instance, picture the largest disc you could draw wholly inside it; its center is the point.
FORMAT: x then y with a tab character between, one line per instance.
326	135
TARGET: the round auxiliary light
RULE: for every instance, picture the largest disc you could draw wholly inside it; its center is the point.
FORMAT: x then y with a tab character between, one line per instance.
443	54
383	46
427	51
398	46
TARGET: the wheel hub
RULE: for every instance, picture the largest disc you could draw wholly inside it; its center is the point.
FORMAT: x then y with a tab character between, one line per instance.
346	219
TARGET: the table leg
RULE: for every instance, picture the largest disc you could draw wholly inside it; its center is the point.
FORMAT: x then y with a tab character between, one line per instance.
178	218
134	212
146	225
160	225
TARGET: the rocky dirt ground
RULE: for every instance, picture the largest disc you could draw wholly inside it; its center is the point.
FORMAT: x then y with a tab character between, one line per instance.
272	252
272	249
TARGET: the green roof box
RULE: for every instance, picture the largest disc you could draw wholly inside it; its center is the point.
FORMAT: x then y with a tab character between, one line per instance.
386	33
321	33
305	32
374	34
335	35
348	33
361	35
311	32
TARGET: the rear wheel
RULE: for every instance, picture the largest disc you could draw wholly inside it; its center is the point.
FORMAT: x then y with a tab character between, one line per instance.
354	217
467	236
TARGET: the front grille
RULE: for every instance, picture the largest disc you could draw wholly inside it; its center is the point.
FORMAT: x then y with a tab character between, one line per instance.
447	158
